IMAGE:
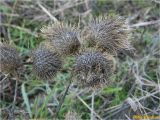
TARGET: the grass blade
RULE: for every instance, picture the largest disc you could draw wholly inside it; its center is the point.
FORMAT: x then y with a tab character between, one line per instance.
25	98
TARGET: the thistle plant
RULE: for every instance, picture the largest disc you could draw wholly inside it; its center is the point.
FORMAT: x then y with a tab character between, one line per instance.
93	68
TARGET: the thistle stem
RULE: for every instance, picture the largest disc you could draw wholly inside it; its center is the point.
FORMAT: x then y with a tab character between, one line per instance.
63	98
15	94
15	97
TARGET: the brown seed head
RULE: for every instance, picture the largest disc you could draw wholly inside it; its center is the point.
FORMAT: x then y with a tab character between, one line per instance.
9	59
46	63
63	37
93	69
110	34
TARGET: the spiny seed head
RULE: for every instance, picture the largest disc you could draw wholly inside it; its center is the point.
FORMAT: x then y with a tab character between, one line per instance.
63	37
111	34
46	63
93	69
10	60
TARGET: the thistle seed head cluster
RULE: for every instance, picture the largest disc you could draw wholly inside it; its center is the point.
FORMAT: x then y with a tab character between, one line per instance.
63	37
10	60
46	63
109	34
93	67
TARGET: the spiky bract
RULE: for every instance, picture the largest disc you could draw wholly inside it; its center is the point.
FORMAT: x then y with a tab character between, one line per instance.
63	37
10	60
46	63
110	34
93	69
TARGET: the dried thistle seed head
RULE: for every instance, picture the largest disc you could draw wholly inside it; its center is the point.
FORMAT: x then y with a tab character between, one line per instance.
46	63
63	37
93	69
10	60
109	33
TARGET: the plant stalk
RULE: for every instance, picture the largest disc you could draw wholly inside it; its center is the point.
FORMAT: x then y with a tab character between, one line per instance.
92	111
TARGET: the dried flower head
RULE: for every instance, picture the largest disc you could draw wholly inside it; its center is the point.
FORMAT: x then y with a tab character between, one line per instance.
10	60
110	34
63	37
93	69
46	63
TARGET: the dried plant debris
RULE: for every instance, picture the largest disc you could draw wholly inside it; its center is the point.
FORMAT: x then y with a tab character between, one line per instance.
46	63
10	60
7	91
93	69
63	37
72	116
109	34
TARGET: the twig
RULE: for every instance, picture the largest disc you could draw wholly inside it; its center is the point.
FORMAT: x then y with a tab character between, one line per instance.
111	108
63	98
141	24
47	12
4	79
9	14
15	94
127	117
